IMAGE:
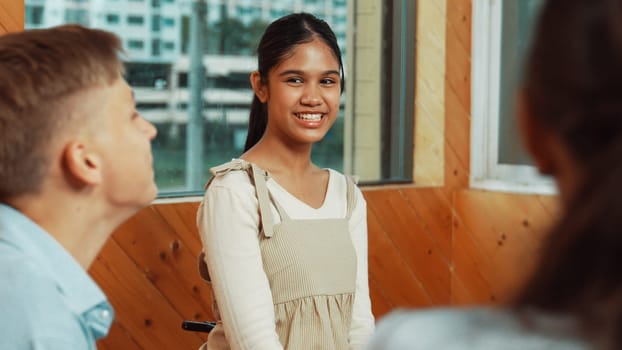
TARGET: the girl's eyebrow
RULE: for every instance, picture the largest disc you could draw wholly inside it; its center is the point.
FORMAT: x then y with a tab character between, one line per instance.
299	72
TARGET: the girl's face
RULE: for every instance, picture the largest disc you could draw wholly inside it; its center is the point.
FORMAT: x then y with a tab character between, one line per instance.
302	94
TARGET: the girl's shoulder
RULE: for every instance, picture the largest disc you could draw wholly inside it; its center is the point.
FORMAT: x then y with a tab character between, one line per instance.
232	174
336	174
235	164
341	184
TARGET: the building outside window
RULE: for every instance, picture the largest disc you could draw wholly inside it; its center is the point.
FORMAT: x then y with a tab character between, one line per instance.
158	67
80	16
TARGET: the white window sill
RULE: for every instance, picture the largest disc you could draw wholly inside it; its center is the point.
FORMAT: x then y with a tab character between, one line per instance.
541	188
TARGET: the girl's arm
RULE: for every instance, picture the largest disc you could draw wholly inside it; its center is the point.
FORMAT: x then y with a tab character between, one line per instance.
362	317
228	222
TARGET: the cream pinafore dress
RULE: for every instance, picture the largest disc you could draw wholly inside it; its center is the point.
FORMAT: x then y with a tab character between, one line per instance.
311	268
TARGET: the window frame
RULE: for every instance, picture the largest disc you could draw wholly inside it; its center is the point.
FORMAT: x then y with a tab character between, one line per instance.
486	172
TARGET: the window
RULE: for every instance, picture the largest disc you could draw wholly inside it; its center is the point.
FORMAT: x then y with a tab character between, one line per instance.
501	32
34	15
156	47
156	23
169	45
168	22
135	44
398	89
112	18
135	20
372	136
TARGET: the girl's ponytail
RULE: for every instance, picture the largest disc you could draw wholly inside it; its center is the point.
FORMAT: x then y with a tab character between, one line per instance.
256	124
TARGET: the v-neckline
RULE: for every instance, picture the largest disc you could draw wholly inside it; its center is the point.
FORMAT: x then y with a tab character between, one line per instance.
278	185
305	204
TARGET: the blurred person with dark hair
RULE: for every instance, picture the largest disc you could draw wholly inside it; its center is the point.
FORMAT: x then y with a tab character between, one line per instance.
570	113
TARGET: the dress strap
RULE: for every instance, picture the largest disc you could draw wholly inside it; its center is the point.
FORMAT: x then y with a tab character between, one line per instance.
263	196
259	178
220	170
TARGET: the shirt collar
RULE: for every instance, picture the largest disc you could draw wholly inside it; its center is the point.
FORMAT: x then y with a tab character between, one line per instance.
81	293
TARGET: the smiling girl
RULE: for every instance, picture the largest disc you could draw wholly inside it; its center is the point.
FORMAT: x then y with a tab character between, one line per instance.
285	241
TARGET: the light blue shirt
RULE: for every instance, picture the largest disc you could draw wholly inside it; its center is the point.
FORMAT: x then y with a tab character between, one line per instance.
47	300
475	328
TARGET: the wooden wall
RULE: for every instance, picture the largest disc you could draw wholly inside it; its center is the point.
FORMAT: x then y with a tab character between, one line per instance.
442	245
11	16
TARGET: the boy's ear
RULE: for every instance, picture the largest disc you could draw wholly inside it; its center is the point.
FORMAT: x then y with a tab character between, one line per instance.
83	165
259	87
536	138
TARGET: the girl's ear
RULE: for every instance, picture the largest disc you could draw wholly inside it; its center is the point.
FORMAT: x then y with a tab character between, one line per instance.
259	87
83	166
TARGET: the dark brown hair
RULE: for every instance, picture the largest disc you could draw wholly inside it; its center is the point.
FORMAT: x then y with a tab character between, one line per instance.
277	43
573	85
40	70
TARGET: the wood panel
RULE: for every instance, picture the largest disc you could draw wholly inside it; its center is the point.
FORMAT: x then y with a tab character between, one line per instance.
11	16
152	320
414	243
401	285
457	95
497	243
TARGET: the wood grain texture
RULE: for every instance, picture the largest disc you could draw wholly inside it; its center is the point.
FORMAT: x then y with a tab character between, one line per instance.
429	94
416	246
140	307
457	95
497	240
11	16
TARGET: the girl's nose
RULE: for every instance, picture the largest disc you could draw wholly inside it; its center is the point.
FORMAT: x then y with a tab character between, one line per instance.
311	96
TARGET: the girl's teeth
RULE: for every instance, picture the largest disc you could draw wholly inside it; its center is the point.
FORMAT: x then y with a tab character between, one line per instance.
310	117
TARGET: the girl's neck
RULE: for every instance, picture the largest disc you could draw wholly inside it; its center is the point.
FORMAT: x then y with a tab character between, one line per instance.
279	158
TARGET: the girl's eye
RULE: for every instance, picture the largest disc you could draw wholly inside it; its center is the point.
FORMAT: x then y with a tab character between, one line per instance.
328	81
294	80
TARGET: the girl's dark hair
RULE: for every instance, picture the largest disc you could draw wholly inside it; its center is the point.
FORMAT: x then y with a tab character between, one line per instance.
573	85
277	43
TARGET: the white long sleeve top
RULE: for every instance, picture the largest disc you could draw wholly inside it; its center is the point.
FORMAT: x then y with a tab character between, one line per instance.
228	221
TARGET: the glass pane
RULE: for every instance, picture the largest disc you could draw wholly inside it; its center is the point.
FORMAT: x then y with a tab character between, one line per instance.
517	23
157	35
